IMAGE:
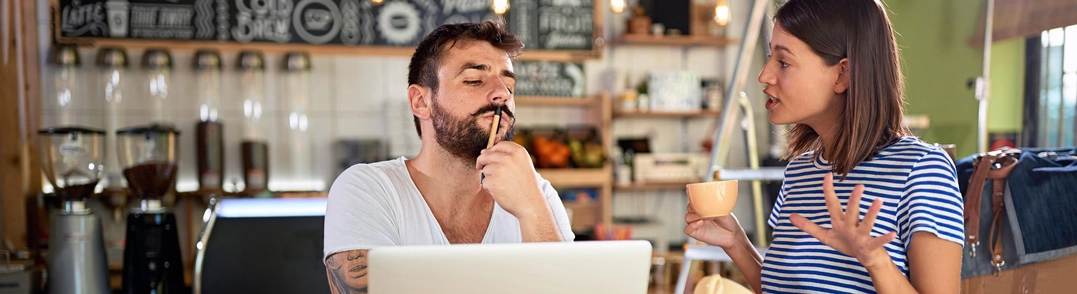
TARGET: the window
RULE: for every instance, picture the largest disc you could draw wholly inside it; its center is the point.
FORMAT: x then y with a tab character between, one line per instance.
1055	89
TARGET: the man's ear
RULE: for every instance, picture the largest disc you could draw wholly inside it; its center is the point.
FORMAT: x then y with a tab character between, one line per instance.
419	98
842	84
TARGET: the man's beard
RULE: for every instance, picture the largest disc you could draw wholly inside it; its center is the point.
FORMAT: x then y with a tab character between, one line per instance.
463	137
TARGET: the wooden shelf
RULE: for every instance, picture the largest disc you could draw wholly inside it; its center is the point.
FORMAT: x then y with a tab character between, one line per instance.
333	49
649	186
665	113
554	101
674	40
577	177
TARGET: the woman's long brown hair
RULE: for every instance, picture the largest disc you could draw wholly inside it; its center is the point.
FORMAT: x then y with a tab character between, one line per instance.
871	114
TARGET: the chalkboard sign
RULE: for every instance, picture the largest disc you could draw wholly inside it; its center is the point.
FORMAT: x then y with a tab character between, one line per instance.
542	78
544	24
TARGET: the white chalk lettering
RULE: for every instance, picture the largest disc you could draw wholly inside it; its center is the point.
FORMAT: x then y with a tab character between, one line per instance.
559	40
565	23
464	6
77	19
143	16
263	20
175	17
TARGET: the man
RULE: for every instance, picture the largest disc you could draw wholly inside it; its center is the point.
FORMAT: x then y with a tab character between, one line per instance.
455	190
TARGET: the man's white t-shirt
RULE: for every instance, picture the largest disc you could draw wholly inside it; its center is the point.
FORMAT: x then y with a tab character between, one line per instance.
377	204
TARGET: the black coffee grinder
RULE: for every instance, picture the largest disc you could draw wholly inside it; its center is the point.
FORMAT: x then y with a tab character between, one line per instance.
151	257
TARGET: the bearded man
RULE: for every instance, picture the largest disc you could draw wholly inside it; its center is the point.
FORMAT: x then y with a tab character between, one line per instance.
456	190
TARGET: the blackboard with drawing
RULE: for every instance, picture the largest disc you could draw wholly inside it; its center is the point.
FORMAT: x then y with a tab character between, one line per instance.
543	24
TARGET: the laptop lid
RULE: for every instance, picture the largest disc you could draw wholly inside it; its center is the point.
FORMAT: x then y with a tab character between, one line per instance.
553	267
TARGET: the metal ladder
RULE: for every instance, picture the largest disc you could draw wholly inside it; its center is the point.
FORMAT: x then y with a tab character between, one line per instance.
738	102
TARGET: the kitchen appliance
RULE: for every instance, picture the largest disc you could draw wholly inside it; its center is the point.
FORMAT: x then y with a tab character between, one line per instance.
254	150
209	135
670	167
72	159
152	261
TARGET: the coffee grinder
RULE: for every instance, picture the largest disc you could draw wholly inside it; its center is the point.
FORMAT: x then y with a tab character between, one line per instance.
152	261
72	159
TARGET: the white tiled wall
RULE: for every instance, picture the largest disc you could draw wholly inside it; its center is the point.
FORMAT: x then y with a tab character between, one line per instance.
355	97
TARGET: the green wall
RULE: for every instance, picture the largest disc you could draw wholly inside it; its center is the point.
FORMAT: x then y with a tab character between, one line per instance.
938	62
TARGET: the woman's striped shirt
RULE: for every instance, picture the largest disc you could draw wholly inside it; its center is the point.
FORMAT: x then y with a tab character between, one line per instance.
918	185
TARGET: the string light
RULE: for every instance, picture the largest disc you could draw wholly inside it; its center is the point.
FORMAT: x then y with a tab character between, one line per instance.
721	13
499	6
617	6
377	2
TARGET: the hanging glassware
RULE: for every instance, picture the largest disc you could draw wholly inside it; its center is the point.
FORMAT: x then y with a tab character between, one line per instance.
254	149
64	75
209	135
296	103
112	63
156	65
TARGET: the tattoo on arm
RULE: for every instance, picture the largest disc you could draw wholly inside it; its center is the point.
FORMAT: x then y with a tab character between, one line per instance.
347	272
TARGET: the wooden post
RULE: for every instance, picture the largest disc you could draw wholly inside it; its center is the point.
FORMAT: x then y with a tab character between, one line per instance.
20	96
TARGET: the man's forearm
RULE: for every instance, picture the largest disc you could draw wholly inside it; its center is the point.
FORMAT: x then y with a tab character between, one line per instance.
540	226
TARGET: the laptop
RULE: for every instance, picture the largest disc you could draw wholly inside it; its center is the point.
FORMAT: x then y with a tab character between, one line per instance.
553	267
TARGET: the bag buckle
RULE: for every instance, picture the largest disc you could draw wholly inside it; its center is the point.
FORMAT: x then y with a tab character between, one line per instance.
998	266
972	248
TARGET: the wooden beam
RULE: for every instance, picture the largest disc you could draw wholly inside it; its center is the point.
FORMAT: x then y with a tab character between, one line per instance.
20	96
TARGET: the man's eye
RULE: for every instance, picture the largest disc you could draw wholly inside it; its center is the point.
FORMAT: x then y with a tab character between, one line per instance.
473	83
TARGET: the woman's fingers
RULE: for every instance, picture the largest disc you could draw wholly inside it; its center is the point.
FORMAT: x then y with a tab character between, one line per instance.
869	218
832	204
852	210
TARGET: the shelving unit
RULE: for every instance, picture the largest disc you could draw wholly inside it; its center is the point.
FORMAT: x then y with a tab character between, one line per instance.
679	40
687	46
599	114
276	48
667	113
649	186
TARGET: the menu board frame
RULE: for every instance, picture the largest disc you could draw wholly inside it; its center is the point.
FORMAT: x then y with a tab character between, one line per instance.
89	15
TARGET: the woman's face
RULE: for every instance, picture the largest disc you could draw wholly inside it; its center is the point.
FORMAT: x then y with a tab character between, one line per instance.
801	87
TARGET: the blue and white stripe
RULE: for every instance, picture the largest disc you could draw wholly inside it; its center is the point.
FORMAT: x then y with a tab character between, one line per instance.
918	185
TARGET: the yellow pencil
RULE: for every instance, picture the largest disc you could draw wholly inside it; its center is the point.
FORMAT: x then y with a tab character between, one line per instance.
493	127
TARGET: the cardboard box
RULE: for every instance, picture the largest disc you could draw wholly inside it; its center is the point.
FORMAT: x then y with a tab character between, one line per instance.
1055	276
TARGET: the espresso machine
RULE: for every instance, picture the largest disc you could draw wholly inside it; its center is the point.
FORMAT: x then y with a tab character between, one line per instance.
72	159
152	261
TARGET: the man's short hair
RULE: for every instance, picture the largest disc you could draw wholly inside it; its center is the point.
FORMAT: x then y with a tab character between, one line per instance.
423	69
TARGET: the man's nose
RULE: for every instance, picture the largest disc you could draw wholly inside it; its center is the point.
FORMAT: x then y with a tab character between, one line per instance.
500	94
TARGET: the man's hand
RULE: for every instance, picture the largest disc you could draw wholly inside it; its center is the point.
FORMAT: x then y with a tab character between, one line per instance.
510	179
347	272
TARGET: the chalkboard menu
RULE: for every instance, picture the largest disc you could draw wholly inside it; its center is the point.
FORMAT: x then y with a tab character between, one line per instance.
543	78
543	24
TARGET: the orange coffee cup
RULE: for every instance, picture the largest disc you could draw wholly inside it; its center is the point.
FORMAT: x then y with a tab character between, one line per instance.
712	199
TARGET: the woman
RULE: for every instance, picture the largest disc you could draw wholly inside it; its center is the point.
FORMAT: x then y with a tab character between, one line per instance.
834	74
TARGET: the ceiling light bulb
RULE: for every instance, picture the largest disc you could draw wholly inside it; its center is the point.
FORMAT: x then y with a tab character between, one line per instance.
721	13
377	2
617	6
499	6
